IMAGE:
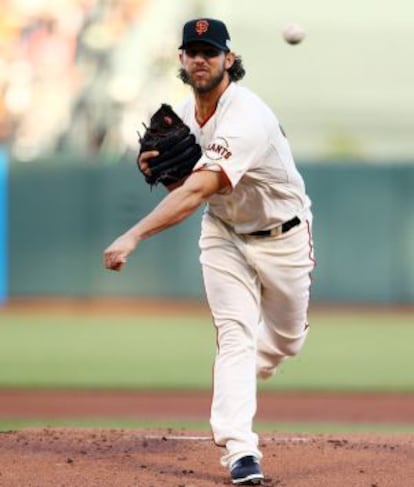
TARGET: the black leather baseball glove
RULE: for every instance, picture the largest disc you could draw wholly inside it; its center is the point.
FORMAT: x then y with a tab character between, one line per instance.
177	147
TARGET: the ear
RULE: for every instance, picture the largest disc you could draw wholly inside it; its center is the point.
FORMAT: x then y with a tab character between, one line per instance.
229	60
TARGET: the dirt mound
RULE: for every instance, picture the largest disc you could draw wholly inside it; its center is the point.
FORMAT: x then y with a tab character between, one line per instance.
130	458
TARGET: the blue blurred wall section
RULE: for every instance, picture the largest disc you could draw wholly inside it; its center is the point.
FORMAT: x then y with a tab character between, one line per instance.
3	223
63	215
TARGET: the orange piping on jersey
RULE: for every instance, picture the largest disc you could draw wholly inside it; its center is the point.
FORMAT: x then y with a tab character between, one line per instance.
311	252
201	124
311	255
226	178
212	378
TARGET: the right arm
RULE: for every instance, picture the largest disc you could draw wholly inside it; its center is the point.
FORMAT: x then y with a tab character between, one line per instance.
174	208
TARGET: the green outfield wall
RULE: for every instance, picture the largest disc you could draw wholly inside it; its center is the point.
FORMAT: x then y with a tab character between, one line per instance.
63	213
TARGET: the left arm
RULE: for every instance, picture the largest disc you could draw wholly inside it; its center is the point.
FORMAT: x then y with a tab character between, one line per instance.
175	207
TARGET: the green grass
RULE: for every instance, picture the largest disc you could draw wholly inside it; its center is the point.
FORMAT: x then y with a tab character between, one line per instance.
105	352
358	352
267	428
344	351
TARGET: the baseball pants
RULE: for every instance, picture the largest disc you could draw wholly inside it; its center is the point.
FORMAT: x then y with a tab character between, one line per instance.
258	293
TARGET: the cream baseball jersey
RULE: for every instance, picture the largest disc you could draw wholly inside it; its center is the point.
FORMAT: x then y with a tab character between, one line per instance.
244	139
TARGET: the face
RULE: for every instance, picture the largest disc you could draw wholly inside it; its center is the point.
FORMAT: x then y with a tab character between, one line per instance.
205	66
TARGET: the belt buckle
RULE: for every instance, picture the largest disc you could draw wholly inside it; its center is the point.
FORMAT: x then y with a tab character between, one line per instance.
273	232
276	231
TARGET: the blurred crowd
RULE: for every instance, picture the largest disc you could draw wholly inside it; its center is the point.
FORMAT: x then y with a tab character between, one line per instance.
57	63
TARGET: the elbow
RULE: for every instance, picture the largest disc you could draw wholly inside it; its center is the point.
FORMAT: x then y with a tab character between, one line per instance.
199	187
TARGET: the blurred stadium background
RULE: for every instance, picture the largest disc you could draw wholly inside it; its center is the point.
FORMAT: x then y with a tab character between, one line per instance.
78	78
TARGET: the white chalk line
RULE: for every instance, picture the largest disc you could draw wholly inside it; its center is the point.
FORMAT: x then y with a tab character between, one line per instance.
293	439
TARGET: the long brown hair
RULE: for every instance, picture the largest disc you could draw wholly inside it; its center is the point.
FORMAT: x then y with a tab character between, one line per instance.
236	71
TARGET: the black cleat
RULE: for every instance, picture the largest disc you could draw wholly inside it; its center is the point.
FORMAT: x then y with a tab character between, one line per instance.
247	471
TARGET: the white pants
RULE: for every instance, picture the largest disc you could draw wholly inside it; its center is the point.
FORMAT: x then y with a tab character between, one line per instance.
258	293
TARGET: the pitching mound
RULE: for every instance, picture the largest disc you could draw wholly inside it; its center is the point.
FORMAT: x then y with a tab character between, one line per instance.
130	458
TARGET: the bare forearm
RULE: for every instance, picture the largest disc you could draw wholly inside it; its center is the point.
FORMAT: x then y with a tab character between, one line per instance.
174	208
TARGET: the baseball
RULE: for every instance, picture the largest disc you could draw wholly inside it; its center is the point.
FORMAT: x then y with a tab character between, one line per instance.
293	33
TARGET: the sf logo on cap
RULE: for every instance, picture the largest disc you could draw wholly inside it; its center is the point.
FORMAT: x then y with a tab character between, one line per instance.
201	27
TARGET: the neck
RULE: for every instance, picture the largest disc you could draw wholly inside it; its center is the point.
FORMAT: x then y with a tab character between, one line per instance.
206	103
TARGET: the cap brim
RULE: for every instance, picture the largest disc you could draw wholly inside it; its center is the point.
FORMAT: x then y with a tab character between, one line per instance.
204	41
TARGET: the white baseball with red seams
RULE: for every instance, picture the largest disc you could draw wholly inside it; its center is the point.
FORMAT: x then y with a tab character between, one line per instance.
293	33
257	288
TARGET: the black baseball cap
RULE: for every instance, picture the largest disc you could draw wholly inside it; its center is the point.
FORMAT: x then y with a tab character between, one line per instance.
210	31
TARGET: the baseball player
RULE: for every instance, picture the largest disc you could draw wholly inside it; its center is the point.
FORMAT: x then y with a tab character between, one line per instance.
256	247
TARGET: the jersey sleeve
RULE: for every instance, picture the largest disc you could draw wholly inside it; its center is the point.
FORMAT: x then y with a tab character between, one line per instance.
235	148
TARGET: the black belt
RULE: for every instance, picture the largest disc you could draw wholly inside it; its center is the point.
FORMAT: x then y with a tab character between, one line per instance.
273	232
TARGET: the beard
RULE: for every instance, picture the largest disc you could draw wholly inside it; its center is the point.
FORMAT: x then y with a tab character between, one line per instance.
201	88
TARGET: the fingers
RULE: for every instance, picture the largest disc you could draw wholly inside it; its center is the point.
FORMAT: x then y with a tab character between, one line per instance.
117	267
115	256
143	161
114	261
145	156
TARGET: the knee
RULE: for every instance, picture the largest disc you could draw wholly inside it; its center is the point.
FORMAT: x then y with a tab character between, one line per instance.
291	346
290	349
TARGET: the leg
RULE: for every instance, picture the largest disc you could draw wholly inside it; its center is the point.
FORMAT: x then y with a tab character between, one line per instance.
232	290
285	297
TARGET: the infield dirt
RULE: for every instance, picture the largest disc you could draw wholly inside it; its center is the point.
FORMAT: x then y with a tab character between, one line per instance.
131	458
64	457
